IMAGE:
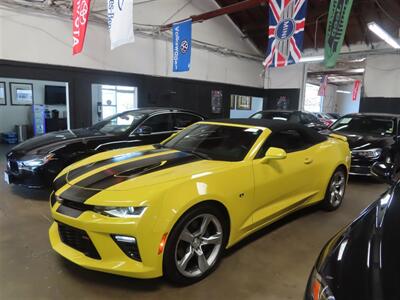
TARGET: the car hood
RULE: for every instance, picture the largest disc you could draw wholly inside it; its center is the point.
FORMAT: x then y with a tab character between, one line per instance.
361	142
53	140
140	169
362	261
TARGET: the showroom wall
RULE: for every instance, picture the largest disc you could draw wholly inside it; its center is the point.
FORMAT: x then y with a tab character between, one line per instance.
49	41
344	101
11	115
381	84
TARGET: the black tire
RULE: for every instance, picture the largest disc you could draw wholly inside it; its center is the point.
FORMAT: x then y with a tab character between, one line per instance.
334	194
175	244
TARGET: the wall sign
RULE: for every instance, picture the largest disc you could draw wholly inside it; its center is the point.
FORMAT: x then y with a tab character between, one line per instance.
3	100
21	93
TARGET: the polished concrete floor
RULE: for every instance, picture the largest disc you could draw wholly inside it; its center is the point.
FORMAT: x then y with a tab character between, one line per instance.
272	264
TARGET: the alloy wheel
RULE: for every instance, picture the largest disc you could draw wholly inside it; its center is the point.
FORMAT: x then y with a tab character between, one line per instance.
336	189
198	245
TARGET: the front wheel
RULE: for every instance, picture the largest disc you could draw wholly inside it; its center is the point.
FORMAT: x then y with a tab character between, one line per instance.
195	245
335	191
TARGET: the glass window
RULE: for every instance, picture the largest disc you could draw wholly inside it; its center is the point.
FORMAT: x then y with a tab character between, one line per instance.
278	115
117	99
159	123
217	142
373	125
119	124
288	140
184	120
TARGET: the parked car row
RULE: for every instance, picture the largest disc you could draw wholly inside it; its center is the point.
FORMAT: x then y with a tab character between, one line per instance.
163	192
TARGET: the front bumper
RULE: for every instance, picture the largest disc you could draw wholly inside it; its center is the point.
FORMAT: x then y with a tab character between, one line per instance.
111	258
362	166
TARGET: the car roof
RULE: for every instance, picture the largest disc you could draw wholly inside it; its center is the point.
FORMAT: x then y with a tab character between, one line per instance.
152	110
374	115
273	125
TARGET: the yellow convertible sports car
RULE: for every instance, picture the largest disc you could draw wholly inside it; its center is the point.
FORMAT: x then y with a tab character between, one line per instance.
171	209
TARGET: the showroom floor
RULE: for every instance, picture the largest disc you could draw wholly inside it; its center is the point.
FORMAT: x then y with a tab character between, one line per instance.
273	264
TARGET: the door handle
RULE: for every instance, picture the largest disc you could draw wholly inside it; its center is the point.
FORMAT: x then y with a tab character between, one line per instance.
308	160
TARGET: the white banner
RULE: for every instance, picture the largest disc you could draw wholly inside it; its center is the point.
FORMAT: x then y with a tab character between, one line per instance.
120	22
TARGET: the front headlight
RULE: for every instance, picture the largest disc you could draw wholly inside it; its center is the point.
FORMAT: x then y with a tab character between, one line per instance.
37	161
370	153
121	212
319	288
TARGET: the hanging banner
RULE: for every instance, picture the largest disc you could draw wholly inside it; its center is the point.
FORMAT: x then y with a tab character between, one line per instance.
181	45
339	12
286	32
80	18
120	22
356	89
323	86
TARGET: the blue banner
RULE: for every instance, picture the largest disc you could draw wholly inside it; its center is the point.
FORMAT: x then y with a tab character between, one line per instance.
182	45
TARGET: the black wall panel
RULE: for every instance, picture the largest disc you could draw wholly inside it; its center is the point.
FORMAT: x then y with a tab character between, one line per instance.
152	90
381	105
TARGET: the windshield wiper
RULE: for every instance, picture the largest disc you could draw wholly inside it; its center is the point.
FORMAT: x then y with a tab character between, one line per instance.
198	154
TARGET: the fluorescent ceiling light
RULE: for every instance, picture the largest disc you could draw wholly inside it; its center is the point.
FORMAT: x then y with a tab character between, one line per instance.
311	58
360	70
379	31
343	92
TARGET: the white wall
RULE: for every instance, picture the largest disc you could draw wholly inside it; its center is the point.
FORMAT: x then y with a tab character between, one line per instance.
256	105
11	115
382	76
46	39
345	103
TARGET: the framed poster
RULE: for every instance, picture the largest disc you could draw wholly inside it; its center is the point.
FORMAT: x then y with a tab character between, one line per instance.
243	103
216	101
3	100
21	93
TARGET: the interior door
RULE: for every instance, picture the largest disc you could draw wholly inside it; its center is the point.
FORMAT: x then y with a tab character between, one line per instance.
281	185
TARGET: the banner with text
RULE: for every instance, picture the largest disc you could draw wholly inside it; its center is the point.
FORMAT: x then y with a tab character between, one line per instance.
339	12
356	89
182	45
120	22
80	17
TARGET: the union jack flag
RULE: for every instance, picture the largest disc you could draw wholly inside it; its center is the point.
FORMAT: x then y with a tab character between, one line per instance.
286	31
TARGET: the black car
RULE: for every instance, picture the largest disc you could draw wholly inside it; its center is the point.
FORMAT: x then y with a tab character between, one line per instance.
362	260
35	162
296	116
372	138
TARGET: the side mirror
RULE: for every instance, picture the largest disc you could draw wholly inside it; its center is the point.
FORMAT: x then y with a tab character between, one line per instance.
384	172
144	130
274	154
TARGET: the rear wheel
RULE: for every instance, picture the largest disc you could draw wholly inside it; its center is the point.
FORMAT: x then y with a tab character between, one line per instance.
335	191
195	245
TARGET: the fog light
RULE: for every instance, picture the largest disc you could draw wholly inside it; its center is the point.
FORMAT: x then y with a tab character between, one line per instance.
128	245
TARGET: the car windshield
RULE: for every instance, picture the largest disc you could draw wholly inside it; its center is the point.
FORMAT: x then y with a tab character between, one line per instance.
365	125
215	142
120	123
284	116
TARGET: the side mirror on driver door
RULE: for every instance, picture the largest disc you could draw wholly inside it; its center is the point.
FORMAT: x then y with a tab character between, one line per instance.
274	154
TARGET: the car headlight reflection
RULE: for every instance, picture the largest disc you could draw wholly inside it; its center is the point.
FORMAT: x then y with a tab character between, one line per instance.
370	153
320	289
36	161
121	212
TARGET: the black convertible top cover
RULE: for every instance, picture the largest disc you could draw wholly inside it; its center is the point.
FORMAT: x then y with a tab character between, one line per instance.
277	126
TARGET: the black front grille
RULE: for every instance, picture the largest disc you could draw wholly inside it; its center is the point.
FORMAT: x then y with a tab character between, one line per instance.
77	239
76	205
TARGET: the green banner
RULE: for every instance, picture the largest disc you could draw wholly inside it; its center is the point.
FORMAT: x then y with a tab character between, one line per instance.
339	11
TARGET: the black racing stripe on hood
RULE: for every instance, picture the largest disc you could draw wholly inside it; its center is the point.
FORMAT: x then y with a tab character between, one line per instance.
94	184
101	163
62	180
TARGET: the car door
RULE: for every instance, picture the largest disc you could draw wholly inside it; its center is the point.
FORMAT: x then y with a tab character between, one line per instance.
154	129
282	185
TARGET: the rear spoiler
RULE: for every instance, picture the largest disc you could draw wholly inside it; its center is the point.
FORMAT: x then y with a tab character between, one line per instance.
338	137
